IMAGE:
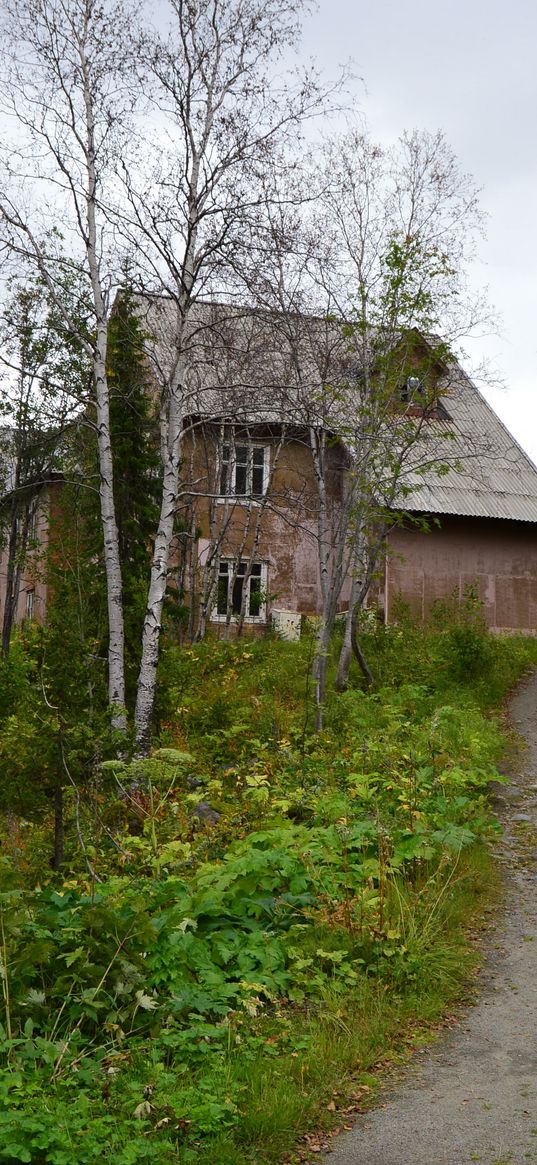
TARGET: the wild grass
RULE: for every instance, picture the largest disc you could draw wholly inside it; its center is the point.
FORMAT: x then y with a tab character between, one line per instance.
232	983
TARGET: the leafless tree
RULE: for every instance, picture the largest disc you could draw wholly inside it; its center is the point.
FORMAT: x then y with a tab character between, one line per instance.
380	254
226	119
399	229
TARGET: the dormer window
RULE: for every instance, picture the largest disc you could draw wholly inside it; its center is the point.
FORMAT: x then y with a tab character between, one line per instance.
419	402
412	390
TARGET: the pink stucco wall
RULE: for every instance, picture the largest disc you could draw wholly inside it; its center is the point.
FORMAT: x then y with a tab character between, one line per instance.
498	557
32	581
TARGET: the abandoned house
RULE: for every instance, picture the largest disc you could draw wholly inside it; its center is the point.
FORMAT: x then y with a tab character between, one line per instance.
272	438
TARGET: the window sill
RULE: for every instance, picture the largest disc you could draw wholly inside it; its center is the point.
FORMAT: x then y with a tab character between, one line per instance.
240	500
235	619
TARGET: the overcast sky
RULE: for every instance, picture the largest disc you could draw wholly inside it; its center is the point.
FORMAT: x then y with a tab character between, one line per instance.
469	68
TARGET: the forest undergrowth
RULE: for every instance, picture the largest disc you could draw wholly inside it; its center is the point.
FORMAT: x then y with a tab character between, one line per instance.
250	926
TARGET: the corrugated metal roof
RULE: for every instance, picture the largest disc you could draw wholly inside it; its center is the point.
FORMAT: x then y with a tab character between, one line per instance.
260	368
439	499
494	478
266	369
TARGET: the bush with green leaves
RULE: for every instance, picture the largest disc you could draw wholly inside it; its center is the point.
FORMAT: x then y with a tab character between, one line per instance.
251	891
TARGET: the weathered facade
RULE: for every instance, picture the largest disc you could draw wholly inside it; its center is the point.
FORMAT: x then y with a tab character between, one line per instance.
482	525
253	510
492	557
247	539
29	586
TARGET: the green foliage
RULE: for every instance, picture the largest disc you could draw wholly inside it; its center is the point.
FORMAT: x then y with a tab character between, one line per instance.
262	950
467	644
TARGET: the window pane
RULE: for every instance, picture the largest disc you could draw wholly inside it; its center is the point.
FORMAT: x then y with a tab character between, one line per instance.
221	595
257	481
240	479
258	465
255	596
242	470
237	595
233	592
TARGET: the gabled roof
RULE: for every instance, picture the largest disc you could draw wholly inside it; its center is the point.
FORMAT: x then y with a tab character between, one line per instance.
257	367
494	477
264	368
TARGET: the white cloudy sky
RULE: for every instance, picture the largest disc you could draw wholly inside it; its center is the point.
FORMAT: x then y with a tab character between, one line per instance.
468	67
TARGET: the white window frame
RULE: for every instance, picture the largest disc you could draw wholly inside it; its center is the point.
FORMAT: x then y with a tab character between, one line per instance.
230	464
261	575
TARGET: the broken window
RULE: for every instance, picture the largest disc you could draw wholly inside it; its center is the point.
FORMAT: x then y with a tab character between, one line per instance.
420	402
232	585
412	390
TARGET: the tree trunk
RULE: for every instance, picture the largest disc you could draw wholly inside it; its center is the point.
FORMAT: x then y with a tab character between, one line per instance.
350	645
333	566
366	670
57	857
319	670
114	589
112	564
345	655
147	678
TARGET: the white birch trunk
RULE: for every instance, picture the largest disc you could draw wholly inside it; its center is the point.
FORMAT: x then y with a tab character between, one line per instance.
114	590
147	679
317	444
112	564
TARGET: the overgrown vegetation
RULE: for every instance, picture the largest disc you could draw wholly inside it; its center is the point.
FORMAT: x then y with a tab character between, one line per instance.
248	922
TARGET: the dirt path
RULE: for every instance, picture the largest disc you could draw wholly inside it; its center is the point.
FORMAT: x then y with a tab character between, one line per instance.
473	1098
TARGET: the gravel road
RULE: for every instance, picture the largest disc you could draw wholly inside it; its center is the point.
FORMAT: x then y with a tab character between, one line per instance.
473	1097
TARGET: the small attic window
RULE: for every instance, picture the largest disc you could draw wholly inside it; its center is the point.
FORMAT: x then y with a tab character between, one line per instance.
412	389
414	395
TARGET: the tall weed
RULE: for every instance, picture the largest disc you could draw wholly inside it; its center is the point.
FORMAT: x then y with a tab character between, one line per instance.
273	907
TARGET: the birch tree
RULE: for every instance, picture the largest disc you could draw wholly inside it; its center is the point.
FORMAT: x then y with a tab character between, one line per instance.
66	93
376	258
226	119
400	229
